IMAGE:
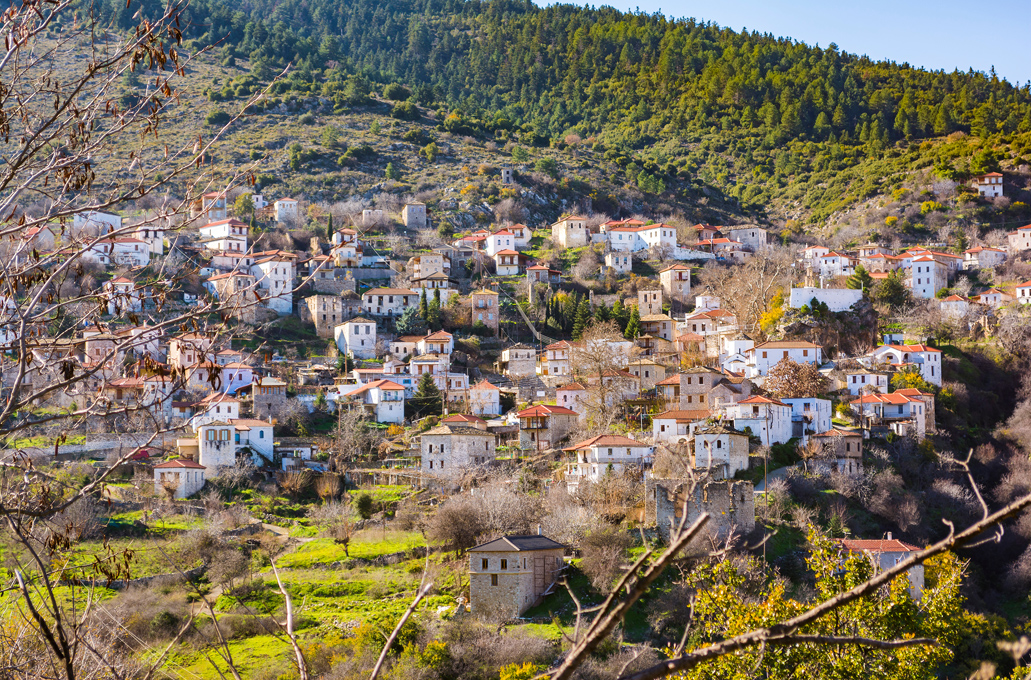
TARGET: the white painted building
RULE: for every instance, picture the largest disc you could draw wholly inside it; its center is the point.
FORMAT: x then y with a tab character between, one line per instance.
384	400
285	209
95	223
762	358
356	337
955	306
1020	239
766	418
983	257
810	415
619	263
389	301
677	425
274	273
183	476
834	264
1024	293
153	236
751	237
676	282
988	185
721	445
928	359
640	237
927	276
862	382
484	399
606	454
836	299
500	240
122	296
225	235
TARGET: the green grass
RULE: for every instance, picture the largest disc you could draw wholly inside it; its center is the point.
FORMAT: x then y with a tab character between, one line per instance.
367	544
141	556
45	442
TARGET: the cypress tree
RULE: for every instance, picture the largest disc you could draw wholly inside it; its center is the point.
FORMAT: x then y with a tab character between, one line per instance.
583	319
633	326
423	309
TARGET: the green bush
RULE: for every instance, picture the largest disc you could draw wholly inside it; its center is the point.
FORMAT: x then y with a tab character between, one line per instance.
217	117
307	119
396	92
416	136
405	111
363	505
548	166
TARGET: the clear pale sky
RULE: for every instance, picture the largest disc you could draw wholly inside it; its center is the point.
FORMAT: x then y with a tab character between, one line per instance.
942	34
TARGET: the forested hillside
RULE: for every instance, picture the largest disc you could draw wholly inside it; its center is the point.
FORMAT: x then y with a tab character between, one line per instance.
676	101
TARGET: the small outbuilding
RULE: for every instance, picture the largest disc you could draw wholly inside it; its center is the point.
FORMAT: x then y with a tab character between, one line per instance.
181	477
509	574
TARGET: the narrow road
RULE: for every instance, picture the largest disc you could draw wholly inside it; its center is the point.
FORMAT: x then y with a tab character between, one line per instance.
779	473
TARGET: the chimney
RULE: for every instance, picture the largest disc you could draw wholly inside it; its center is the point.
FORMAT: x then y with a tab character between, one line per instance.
538	529
889	535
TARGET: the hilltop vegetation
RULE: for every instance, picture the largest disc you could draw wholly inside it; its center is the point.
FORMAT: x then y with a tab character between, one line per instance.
682	108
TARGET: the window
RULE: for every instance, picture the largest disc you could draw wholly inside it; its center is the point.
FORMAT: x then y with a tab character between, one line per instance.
719	443
483	563
764	355
261	434
701	398
494	579
504	564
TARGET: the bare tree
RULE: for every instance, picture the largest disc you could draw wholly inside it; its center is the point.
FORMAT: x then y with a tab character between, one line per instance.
747	289
598	361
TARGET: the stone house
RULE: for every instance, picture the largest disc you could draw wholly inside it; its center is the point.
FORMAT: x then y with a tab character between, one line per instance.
649	302
268	394
676	282
648	372
619	263
538	273
236	296
484	305
509	574
324	312
570	232
450	450
730	505
721	445
389	301
842	451
1020	239
414	215
517	361
424	264
182	476
543	426
556	359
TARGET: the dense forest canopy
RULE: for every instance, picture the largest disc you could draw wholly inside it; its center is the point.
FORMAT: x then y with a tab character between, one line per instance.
758	109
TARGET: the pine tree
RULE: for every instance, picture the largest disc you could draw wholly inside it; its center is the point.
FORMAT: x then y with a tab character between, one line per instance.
329	227
427	400
423	309
601	314
583	318
619	313
860	280
633	327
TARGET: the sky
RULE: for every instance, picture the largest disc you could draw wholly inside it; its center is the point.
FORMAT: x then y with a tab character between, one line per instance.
942	34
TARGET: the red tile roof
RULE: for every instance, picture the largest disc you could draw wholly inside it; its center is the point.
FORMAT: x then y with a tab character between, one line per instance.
878	545
545	410
605	440
180	463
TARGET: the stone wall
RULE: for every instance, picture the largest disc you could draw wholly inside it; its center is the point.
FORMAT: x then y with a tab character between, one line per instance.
730	504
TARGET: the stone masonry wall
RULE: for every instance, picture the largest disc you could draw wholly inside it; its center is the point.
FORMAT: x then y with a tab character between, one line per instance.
729	503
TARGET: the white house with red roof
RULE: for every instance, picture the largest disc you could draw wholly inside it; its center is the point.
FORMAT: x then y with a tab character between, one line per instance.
833	264
556	359
983	257
954	306
229	235
484	399
216	406
1020	239
605	454
927	276
815	252
522	234
274	272
503	239
766	418
285	209
928	359
635	237
886	553
903	413
182	477
384	400
122	296
571	396
988	185
994	298
506	262
1023	293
